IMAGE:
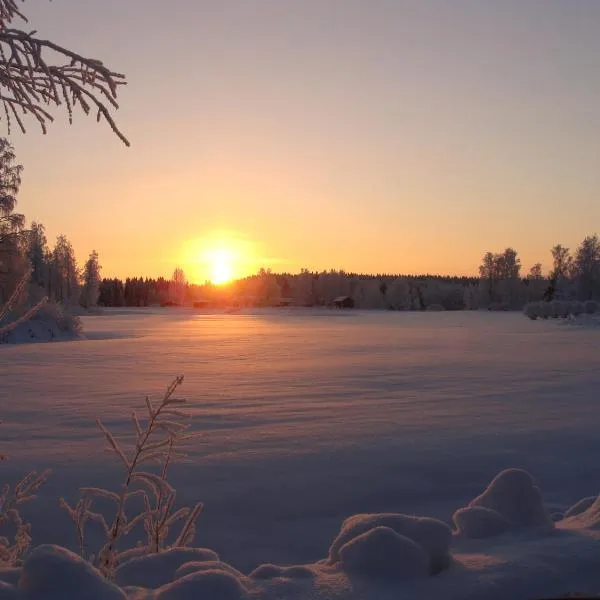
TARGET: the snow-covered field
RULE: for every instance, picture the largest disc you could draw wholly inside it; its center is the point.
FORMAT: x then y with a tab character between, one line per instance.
311	416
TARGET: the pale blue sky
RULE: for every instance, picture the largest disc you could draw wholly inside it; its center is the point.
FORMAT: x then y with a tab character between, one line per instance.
371	135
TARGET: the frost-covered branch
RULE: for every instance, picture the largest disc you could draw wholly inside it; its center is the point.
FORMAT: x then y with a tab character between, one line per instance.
13	547
156	443
37	74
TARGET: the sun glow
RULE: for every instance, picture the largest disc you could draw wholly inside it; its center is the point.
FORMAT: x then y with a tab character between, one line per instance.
219	257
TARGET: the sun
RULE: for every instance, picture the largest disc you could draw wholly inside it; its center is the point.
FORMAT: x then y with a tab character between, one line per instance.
221	266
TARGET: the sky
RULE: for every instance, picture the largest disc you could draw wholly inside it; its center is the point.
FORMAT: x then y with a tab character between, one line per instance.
393	136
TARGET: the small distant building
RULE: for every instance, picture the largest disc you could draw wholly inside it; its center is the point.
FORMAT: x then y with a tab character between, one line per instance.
343	302
169	304
284	302
201	304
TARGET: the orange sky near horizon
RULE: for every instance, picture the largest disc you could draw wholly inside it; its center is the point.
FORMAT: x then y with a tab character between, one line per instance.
388	136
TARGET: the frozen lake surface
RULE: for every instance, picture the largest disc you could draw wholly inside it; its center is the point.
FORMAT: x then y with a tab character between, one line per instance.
310	416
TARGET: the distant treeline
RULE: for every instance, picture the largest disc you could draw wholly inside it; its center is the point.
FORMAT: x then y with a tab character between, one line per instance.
500	286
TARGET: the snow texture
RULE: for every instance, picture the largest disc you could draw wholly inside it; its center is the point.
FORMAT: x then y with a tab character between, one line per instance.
309	416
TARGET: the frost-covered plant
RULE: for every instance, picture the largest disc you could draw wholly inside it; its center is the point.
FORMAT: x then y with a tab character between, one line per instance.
156	444
65	321
16	542
7	324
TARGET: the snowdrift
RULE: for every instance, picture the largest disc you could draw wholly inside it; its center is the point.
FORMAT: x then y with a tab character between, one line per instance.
385	555
512	501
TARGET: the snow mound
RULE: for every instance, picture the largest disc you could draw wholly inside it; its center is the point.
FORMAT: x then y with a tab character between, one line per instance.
209	565
383	553
588	519
580	506
54	573
479	522
211	584
8	592
138	593
10	575
156	570
431	535
514	495
269	571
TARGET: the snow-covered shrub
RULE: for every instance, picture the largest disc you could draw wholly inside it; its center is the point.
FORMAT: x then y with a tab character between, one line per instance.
479	522
66	323
431	535
532	310
576	308
47	323
545	310
383	553
157	444
515	497
559	309
13	314
590	307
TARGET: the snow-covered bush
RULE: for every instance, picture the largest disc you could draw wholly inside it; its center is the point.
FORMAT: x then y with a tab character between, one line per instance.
559	309
576	308
13	314
157	443
47	323
532	310
514	498
590	307
431	535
